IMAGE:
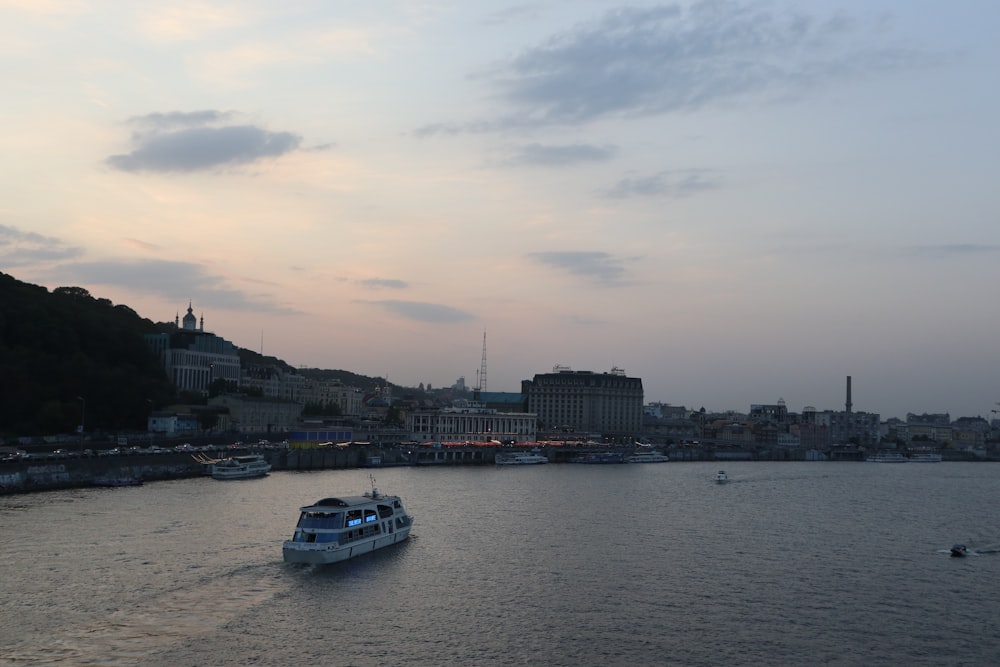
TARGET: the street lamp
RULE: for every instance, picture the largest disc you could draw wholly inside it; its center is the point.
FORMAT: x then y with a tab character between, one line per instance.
83	416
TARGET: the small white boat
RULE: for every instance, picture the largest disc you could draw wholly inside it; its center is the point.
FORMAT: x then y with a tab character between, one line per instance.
335	529
721	477
240	467
519	458
647	457
887	458
926	458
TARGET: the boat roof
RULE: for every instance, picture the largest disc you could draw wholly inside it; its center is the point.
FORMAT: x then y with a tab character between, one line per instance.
346	501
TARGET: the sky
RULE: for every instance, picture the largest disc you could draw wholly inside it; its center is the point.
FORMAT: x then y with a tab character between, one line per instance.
738	202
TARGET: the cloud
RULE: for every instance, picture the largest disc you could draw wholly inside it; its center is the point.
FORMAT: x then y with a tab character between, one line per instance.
174	119
383	283
663	184
601	267
177	281
186	141
637	61
422	312
560	156
19	248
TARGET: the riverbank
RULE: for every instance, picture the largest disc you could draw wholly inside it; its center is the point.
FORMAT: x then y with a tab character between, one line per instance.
50	473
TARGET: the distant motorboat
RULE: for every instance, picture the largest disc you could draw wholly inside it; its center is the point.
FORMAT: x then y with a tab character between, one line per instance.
721	477
959	550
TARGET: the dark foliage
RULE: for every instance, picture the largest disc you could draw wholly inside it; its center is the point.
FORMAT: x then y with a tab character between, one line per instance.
67	358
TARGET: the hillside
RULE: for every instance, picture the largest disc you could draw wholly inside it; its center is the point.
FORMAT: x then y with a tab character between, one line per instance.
68	358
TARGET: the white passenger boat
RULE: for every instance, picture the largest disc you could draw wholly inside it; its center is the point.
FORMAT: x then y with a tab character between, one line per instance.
886	457
925	458
240	467
335	529
647	457
721	477
519	458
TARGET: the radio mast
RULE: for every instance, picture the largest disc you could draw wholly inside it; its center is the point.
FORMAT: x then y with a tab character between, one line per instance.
482	370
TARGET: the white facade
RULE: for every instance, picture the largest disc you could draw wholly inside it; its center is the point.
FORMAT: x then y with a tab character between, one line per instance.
471	424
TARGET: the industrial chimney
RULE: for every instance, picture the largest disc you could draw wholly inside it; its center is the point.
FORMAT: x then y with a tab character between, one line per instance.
848	393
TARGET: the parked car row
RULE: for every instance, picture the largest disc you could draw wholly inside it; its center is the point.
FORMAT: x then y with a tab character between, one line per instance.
133	450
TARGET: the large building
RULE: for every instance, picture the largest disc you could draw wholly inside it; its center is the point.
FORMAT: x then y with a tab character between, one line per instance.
470	423
194	358
252	414
276	383
585	402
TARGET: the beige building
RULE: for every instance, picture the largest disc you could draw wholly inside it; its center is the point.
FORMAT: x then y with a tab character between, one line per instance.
605	404
252	414
275	383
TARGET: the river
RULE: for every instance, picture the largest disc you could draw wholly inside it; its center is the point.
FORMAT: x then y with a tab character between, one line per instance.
559	564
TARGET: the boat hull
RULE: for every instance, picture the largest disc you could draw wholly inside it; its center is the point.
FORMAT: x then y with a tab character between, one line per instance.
324	554
520	459
240	474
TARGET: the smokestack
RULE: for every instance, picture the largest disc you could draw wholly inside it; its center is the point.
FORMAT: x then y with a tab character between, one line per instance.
848	393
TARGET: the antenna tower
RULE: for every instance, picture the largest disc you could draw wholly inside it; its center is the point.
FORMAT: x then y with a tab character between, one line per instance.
482	371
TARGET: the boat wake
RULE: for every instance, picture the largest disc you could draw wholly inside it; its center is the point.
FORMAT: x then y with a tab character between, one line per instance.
128	635
971	550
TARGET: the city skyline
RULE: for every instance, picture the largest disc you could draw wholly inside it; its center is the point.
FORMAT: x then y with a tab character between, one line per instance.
735	201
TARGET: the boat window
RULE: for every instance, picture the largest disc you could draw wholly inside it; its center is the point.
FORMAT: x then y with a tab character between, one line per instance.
384	511
370	516
354	517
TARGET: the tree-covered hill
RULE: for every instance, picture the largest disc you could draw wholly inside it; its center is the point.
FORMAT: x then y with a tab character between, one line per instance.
68	358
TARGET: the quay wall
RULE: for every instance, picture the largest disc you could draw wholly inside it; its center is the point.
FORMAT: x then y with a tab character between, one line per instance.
49	473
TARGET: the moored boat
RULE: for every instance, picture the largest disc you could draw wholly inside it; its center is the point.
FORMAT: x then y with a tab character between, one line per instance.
599	457
117	481
647	457
246	466
887	458
335	529
925	458
520	458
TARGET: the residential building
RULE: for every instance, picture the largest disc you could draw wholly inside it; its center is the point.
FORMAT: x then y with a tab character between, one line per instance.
276	383
254	414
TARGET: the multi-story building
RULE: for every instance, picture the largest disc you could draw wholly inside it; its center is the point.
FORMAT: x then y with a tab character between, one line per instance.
194	358
774	414
276	383
605	404
822	428
253	414
470	423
